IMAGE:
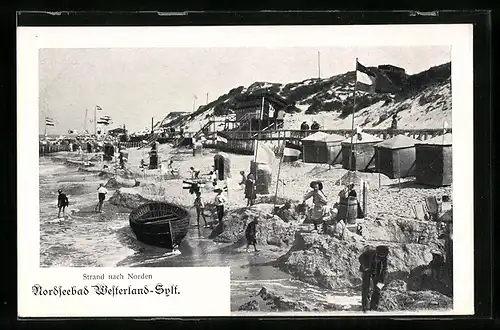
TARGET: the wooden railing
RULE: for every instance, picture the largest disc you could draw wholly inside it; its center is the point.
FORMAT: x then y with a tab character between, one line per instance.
298	135
50	148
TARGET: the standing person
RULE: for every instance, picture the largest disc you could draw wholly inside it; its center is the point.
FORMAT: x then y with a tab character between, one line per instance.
304	127
373	266
315	126
194	173
200	208
219	204
394	123
319	201
214	175
102	191
251	234
250	190
62	202
243	177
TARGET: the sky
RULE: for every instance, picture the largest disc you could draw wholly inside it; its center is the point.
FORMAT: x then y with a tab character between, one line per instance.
134	85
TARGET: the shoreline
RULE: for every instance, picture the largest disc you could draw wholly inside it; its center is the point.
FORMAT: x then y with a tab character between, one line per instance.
171	189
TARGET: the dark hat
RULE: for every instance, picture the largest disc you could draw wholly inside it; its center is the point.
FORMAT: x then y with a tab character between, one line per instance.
217	190
59	190
320	184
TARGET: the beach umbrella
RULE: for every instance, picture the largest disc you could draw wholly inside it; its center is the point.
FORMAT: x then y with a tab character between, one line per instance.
350	177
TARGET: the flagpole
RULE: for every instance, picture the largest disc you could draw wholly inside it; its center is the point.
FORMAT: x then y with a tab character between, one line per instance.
353	110
45	128
278	178
95	121
319	67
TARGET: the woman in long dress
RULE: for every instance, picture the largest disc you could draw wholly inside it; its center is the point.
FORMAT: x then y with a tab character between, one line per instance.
319	202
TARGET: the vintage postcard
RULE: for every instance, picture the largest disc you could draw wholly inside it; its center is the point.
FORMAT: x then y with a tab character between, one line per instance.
265	170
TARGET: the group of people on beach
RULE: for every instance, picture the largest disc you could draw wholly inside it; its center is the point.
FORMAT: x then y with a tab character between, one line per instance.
324	215
63	201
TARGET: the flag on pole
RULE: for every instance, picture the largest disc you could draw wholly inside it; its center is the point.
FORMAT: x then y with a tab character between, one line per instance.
105	120
365	79
445	127
271	111
49	121
263	154
98	108
221	139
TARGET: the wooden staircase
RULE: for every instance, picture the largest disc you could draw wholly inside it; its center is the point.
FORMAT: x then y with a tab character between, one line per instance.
150	140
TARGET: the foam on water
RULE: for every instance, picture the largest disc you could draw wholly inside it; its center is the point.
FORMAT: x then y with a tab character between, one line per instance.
88	239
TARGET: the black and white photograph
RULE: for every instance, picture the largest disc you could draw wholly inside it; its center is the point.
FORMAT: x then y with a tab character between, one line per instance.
322	176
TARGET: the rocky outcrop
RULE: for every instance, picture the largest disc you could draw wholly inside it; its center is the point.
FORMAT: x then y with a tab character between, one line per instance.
332	263
265	300
119	182
271	230
128	197
396	297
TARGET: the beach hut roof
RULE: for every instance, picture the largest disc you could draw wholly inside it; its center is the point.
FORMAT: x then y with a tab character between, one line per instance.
365	138
397	142
324	137
442	140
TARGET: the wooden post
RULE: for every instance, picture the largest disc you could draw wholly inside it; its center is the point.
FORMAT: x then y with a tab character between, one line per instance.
365	199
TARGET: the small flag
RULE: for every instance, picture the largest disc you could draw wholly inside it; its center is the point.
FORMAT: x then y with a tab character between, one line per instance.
221	139
271	111
98	108
365	79
263	154
49	121
195	97
445	127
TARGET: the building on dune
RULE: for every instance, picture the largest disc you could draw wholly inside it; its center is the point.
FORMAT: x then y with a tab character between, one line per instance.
322	148
434	161
395	157
363	152
261	108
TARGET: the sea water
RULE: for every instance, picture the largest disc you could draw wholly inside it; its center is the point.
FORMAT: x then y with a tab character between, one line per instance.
84	238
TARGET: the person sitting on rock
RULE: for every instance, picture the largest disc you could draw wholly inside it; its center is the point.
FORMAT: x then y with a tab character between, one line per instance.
373	266
315	126
285	212
339	229
251	234
319	201
359	230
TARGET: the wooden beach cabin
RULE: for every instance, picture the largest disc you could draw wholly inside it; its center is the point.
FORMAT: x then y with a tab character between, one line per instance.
395	157
363	152
248	108
322	148
434	161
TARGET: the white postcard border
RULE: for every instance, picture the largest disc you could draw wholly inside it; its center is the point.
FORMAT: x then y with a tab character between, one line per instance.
31	39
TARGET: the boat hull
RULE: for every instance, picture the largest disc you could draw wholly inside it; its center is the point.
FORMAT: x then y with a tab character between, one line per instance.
160	224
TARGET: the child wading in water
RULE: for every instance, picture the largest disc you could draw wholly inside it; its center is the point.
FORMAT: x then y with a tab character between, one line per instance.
251	234
200	207
102	196
62	202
